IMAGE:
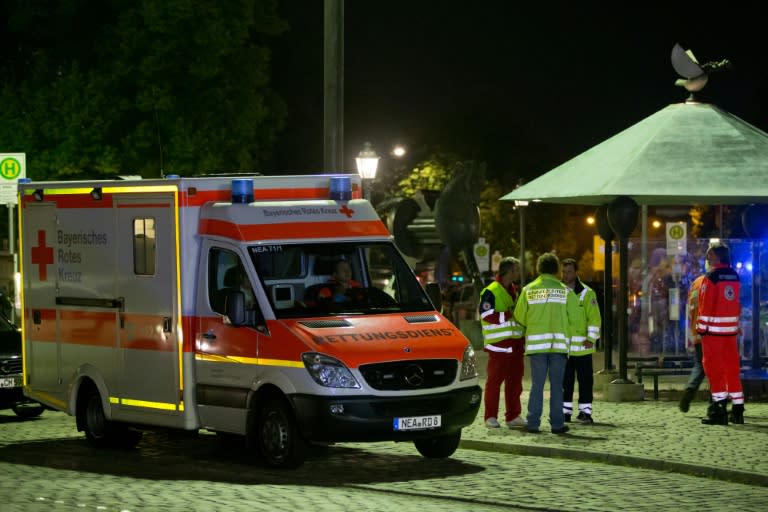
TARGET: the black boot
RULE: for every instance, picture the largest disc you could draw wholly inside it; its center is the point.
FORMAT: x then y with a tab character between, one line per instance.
717	413
737	414
685	401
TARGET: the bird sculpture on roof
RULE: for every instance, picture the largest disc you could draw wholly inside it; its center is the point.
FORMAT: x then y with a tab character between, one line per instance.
695	75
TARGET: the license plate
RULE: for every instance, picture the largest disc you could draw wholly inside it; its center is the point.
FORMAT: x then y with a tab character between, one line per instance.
417	422
10	382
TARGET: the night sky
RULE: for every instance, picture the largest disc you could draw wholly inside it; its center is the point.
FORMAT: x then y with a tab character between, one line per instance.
521	88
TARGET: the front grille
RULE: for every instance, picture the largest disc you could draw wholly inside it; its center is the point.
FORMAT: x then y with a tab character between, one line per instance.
413	406
407	375
10	366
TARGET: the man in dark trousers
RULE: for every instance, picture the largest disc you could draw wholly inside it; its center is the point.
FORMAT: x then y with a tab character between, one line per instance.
583	342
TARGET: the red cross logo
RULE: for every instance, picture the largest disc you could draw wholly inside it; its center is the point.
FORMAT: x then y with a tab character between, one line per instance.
346	211
42	255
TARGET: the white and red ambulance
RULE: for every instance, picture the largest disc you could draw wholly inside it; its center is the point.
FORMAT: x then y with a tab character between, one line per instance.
197	303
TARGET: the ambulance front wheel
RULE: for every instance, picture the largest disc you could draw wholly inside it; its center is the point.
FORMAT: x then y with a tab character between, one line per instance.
101	432
279	439
438	447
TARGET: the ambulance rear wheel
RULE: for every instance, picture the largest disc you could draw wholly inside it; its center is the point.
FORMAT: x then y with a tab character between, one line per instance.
280	442
438	447
100	432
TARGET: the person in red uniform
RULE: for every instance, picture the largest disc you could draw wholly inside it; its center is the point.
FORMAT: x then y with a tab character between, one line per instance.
338	288
718	324
503	341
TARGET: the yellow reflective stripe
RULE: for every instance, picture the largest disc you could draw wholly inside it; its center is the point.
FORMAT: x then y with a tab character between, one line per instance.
48	190
129	402
249	360
45	397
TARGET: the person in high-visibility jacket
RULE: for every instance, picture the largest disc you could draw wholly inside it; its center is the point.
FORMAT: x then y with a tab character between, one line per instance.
546	309
503	341
583	341
718	325
693	342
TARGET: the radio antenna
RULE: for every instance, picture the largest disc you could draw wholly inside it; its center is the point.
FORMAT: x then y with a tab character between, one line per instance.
157	129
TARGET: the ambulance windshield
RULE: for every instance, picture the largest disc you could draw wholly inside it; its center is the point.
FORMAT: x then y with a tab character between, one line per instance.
321	279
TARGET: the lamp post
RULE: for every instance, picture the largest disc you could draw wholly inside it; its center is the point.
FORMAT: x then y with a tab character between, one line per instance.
367	163
520	205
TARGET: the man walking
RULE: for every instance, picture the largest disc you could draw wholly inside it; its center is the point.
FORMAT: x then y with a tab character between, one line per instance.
718	325
694	340
503	342
545	309
583	341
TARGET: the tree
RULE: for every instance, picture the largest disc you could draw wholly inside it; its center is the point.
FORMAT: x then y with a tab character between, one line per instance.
96	88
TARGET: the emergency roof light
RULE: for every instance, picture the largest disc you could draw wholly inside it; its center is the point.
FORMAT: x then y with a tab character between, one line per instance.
340	188
242	191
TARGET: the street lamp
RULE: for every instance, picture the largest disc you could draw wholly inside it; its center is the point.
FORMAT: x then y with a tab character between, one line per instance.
367	163
520	205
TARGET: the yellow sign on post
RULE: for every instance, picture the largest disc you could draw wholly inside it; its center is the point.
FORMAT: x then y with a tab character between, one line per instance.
13	166
677	238
482	255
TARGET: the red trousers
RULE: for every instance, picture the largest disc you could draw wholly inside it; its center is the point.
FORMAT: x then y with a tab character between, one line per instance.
722	366
505	368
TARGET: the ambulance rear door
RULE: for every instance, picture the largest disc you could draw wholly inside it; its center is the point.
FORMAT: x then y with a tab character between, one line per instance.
149	355
42	351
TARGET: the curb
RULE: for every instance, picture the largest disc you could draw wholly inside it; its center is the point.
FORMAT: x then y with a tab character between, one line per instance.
740	477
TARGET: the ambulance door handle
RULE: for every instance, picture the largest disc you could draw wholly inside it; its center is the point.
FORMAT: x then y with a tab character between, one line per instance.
209	335
166	324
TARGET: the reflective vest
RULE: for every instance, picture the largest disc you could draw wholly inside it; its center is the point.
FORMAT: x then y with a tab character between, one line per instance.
506	328
588	326
693	337
719	307
546	309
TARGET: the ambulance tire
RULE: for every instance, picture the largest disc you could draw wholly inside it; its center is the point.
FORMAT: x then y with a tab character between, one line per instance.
31	410
438	447
280	442
100	432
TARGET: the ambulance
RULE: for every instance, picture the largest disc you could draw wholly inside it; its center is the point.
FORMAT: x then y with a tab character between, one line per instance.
197	304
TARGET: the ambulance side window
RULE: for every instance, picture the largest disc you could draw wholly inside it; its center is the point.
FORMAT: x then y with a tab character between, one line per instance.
222	271
144	247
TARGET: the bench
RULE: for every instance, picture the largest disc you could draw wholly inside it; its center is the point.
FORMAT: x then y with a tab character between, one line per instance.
652	366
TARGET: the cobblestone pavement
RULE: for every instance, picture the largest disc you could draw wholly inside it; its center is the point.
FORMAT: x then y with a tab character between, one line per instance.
46	465
651	434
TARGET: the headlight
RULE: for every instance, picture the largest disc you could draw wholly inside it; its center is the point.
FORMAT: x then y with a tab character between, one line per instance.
328	371
468	366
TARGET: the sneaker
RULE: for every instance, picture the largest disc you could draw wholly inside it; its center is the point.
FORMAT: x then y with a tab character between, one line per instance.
517	422
492	423
585	419
567	418
562	430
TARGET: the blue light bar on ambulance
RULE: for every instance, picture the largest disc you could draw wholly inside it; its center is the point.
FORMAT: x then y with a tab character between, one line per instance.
340	188
242	191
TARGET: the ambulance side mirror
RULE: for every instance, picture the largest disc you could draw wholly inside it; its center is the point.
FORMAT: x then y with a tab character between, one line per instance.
235	308
433	290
